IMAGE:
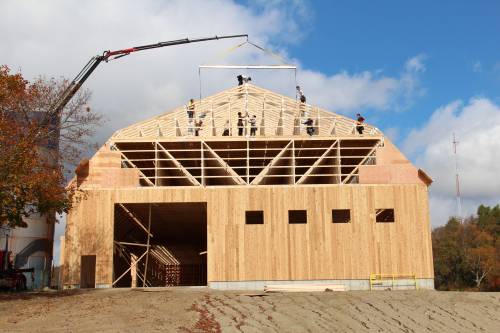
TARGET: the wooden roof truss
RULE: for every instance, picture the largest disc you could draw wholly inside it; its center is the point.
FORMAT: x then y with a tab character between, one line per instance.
276	116
295	161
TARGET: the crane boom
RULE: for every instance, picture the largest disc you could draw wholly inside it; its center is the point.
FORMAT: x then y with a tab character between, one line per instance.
87	70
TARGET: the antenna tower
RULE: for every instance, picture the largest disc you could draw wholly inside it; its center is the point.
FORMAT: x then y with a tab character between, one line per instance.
457	179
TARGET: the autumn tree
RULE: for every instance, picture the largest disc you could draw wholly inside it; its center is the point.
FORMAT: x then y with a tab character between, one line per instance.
467	254
37	144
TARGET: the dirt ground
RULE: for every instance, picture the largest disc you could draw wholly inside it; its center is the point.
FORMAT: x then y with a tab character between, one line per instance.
203	310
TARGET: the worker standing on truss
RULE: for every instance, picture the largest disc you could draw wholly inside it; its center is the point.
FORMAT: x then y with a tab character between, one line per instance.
302	98
243	79
190	109
226	129
301	95
310	128
359	123
197	129
240	123
190	113
253	125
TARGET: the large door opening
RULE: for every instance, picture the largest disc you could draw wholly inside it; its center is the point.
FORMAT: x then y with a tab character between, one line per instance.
177	244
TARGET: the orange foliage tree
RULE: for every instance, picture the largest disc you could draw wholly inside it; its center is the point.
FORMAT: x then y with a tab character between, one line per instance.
467	255
36	144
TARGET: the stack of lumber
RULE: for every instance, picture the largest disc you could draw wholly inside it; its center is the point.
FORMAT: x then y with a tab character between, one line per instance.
304	287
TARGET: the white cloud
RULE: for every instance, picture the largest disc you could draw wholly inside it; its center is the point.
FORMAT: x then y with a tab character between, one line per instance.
477	67
477	128
58	37
416	64
295	16
442	207
392	133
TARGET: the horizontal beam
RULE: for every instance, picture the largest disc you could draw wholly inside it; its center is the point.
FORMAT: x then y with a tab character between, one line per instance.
249	66
132	244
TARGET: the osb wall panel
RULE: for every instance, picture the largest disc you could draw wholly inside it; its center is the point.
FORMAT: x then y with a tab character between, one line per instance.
277	250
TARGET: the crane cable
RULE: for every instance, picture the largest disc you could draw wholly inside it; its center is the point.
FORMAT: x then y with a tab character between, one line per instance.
226	52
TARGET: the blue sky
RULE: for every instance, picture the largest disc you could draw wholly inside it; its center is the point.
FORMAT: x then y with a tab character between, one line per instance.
460	41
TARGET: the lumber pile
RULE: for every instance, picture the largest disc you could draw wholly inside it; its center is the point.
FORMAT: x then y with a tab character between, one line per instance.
304	287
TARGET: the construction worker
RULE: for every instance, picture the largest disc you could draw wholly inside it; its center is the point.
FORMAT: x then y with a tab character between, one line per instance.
359	124
253	125
310	128
190	109
243	79
301	95
197	128
239	124
226	129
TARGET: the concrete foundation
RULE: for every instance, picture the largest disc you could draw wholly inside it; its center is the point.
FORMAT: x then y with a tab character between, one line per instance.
350	284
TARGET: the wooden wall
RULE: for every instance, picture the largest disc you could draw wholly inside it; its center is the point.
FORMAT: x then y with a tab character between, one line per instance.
275	250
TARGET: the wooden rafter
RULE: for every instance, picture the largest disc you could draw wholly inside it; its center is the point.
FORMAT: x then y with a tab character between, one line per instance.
135	219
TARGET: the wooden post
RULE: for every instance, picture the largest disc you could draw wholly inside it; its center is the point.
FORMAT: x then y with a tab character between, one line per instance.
156	164
293	160
133	270
248	162
246	110
262	122
147	250
202	160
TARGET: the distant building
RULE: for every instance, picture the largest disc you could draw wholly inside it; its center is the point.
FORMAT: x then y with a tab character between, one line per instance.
241	212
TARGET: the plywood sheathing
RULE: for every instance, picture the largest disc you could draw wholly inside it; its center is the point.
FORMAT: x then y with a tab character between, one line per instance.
275	250
391	167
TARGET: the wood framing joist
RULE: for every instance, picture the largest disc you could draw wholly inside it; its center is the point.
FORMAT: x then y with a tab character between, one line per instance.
180	167
225	167
143	176
352	173
318	162
257	180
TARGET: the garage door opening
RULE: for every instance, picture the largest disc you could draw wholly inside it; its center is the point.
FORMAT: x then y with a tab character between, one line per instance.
160	245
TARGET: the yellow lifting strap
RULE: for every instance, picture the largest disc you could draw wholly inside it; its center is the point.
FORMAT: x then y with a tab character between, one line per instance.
224	53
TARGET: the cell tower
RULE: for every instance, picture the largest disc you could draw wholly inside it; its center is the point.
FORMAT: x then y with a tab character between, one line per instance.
457	179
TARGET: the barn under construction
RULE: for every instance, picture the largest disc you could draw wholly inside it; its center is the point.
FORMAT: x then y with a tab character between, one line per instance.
209	200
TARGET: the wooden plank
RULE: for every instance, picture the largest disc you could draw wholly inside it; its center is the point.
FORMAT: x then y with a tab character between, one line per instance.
135	219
